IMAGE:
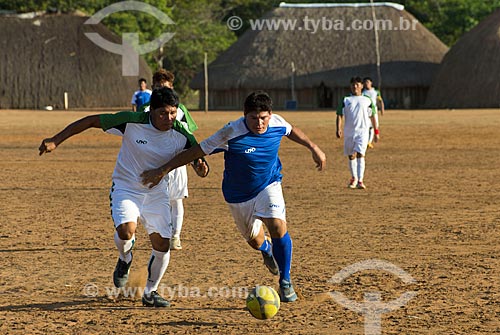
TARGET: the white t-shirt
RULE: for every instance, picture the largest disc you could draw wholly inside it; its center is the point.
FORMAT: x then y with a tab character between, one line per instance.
357	110
143	146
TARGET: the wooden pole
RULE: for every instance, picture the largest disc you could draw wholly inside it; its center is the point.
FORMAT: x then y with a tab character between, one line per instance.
65	100
205	68
377	47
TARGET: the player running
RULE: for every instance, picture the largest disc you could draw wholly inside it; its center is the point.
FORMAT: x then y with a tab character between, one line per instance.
178	178
358	111
252	180
149	139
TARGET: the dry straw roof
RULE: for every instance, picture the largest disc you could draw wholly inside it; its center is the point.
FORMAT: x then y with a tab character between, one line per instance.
43	57
262	59
469	74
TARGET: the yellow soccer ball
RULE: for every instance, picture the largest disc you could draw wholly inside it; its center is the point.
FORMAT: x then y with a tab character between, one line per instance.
263	302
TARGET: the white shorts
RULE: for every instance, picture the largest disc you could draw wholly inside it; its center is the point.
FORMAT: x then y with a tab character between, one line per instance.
152	209
269	203
356	143
178	183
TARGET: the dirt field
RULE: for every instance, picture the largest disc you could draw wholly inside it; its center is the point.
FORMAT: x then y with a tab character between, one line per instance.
431	208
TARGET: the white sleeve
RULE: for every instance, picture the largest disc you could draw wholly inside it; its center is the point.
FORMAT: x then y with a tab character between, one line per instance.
220	139
279	121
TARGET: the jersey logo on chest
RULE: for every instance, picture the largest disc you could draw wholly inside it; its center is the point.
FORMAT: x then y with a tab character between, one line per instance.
250	150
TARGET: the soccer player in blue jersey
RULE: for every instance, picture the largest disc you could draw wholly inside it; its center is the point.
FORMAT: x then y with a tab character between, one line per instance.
141	96
148	140
252	179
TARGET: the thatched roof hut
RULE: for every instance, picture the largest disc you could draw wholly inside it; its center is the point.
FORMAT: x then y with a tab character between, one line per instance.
43	57
325	59
468	75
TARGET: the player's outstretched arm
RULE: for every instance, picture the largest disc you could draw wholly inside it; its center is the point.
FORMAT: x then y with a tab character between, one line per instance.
51	143
318	155
152	177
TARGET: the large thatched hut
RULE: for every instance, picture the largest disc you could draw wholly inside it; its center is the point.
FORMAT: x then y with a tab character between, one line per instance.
43	57
468	75
326	58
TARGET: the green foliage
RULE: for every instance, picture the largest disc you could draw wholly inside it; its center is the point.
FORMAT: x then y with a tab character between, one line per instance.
199	29
450	19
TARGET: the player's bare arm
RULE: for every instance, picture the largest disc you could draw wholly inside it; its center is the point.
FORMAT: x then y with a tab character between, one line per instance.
380	106
318	155
339	126
51	143
152	177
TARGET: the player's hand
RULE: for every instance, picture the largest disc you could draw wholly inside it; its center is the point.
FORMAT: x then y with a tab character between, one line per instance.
47	145
339	133
151	178
376	138
319	157
201	167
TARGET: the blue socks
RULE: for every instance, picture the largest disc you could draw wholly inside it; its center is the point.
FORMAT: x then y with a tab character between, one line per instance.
266	248
282	251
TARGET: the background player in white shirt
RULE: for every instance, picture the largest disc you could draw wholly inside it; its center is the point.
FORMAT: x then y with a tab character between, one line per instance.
358	112
376	97
252	180
148	140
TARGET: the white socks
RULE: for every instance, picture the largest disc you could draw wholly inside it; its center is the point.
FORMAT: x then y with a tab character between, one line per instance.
177	213
158	264
353	168
357	168
361	168
124	247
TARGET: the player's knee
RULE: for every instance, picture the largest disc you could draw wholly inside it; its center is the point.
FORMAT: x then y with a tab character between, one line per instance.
277	228
160	244
126	231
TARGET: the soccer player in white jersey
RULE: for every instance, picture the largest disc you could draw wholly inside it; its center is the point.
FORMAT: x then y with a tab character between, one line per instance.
373	94
358	112
178	178
148	140
252	180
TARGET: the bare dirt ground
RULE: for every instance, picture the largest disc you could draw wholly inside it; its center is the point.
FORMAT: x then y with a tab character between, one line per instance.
431	208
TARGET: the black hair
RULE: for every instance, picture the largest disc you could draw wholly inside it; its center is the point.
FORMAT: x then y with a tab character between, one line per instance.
142	80
258	101
164	97
356	79
367	78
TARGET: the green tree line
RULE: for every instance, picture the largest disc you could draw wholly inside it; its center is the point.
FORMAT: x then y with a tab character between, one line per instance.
200	25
